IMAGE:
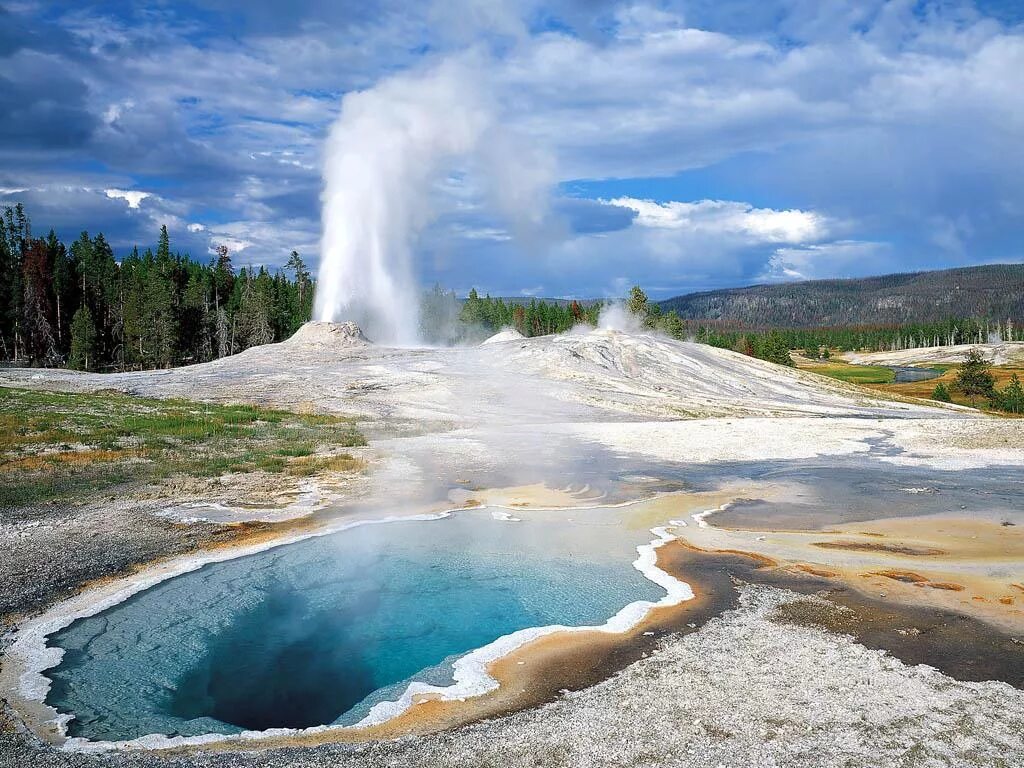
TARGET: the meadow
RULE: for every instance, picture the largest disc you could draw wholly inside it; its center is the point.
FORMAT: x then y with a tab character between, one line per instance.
58	445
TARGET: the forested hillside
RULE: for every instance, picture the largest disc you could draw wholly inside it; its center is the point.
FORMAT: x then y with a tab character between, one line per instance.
80	306
995	292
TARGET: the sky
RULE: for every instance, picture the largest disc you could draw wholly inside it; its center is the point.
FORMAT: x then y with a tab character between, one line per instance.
680	145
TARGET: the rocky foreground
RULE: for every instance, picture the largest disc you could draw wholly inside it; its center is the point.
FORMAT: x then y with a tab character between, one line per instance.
751	688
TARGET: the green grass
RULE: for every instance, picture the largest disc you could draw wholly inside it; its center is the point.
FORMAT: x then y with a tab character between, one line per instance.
56	445
854	374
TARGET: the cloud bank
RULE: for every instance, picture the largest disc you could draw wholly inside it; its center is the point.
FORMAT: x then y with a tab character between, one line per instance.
816	129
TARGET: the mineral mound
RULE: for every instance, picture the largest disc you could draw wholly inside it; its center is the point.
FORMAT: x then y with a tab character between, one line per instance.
317	333
506	334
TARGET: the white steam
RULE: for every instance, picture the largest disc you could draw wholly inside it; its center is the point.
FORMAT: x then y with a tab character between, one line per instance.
617	317
384	157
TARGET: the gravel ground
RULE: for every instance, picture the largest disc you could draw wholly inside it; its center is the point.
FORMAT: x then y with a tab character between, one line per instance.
48	552
746	690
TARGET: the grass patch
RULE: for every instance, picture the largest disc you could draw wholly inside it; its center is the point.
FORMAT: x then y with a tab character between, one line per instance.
853	374
55	444
314	465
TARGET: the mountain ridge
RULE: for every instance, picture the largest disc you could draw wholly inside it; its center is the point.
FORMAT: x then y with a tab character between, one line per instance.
993	291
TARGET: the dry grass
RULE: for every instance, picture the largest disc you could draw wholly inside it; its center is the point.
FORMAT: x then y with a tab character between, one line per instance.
880	378
307	466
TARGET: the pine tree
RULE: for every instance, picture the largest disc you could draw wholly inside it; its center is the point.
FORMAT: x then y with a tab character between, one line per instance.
7	322
637	304
673	326
254	323
223	288
304	291
83	340
37	276
1011	397
941	394
18	233
65	290
163	248
519	318
135	351
775	350
472	309
973	377
577	311
160	318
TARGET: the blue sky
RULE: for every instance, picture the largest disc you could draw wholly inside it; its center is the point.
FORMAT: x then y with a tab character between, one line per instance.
681	145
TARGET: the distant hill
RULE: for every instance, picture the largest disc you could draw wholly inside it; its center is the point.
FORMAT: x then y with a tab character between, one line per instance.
993	292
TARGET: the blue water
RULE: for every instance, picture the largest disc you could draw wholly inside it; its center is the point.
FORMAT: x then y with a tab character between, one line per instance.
317	631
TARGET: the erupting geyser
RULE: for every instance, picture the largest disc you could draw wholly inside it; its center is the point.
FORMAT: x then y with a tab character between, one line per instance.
382	155
383	159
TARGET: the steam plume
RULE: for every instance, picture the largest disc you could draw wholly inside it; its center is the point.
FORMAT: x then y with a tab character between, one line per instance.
383	157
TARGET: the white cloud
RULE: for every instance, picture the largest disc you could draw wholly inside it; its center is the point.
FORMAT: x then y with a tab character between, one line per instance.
132	197
843	258
872	114
728	218
481	233
194	227
114	111
233	244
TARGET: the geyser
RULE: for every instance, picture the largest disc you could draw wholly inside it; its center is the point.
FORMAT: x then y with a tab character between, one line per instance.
384	158
387	148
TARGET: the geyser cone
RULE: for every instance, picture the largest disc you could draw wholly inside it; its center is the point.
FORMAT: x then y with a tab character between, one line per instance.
318	333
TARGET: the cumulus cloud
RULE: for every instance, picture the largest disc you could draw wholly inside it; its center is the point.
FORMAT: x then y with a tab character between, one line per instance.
843	258
728	218
845	122
233	244
130	196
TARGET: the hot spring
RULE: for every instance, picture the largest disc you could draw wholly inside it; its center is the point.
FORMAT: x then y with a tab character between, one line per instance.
318	631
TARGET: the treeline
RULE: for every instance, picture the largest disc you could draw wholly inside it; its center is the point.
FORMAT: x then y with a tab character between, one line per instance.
770	345
480	317
79	306
874	338
447	320
990	291
537	318
767	343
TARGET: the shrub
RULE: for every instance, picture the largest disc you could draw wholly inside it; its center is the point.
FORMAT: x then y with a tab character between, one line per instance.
1011	397
941	394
